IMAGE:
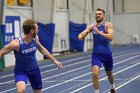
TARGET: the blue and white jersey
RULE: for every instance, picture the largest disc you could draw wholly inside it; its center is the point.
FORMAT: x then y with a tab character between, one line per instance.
101	44
26	56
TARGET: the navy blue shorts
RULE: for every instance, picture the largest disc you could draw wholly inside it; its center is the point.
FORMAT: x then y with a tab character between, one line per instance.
33	76
106	59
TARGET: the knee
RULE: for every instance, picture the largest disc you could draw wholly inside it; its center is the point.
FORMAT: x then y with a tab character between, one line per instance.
20	86
21	90
95	75
37	91
110	75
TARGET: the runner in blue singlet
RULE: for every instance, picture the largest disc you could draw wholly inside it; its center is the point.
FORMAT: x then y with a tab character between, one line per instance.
26	67
102	54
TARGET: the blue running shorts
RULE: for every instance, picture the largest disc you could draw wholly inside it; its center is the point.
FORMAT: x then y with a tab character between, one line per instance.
105	59
33	76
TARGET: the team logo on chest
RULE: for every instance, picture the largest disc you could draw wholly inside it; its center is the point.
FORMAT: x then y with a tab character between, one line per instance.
94	32
29	50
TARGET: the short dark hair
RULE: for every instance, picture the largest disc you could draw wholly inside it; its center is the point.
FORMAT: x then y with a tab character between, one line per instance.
99	9
28	25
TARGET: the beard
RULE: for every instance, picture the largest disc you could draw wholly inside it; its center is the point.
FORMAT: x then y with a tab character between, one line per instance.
98	19
34	35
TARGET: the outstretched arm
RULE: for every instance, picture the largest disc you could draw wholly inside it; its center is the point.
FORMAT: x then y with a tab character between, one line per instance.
46	53
8	48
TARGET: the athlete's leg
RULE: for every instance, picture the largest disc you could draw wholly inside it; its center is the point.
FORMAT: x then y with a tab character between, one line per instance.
96	64
21	87
20	80
95	78
110	78
37	91
108	64
35	80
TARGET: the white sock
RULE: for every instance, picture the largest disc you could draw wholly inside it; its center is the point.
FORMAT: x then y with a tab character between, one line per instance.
97	91
112	86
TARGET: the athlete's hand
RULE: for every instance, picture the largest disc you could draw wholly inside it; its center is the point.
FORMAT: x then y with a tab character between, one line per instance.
89	28
95	29
59	64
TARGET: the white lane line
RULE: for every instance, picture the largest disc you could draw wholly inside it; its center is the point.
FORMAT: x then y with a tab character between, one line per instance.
51	70
63	63
87	73
103	74
67	80
87	80
66	72
127	82
89	60
67	61
65	67
105	77
67	89
4	76
81	76
83	67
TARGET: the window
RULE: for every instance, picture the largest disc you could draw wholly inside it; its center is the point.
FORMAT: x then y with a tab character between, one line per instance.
118	5
26	3
132	5
89	5
126	6
10	2
62	4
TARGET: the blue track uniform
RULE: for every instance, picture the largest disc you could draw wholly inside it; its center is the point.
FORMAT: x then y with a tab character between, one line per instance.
102	52
26	66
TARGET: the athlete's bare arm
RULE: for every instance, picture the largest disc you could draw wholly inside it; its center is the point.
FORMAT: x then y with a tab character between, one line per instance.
82	35
109	29
46	53
13	45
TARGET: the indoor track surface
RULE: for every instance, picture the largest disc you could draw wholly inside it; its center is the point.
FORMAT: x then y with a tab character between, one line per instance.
75	76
